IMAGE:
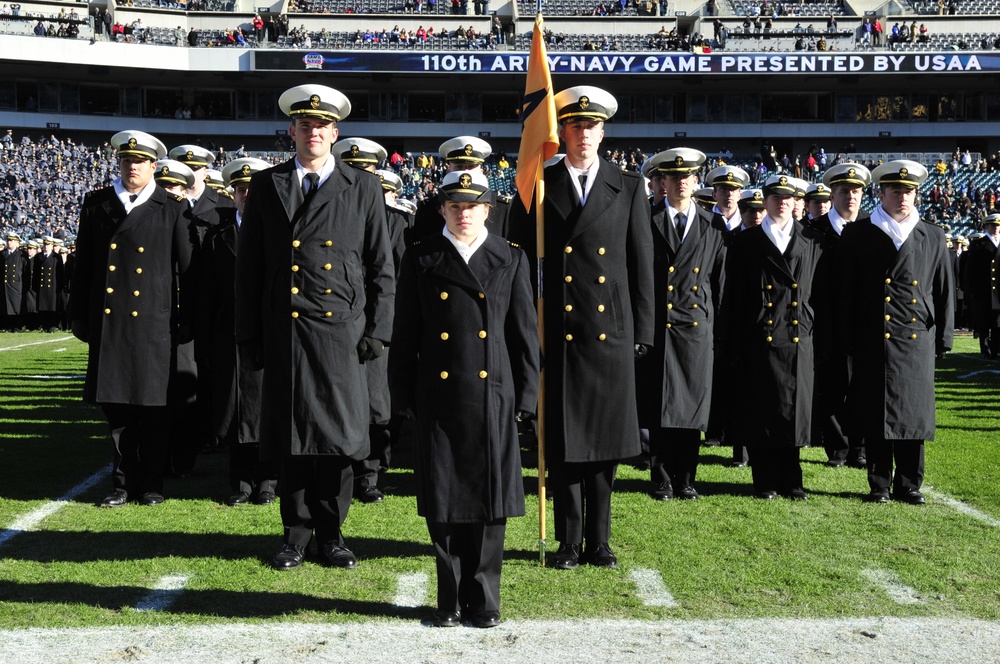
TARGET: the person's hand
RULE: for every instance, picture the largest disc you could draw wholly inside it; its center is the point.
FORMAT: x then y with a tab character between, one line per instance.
370	348
641	350
79	329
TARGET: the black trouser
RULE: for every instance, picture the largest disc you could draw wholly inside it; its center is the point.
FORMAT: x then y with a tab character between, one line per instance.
469	557
674	456
247	473
139	436
315	495
366	470
775	468
909	457
581	500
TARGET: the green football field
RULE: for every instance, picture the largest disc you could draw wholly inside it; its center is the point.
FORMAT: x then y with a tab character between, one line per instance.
65	563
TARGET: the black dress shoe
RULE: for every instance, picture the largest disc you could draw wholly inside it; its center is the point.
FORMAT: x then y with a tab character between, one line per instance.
446	619
117	498
913	497
767	495
485	619
738	464
836	463
371	495
240	498
567	557
798	494
151	498
878	496
602	556
338	556
858	462
665	491
687	493
289	557
264	498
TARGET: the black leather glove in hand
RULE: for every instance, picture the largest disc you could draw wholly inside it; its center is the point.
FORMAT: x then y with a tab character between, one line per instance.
641	350
369	348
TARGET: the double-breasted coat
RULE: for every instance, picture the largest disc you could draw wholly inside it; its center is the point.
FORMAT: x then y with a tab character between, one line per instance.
48	276
773	305
236	389
13	280
981	279
675	379
314	277
125	294
597	284
464	358
895	313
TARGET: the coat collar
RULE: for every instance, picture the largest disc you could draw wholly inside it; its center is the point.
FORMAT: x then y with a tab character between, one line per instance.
608	183
440	258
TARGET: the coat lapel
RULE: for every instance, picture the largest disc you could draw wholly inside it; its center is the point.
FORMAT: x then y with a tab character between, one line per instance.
557	186
287	187
607	185
442	260
144	211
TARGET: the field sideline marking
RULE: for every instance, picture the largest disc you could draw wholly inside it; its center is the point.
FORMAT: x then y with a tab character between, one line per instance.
33	518
889	582
411	590
165	592
35	343
959	506
651	588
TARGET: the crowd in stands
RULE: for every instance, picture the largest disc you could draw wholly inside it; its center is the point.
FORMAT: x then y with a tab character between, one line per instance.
43	181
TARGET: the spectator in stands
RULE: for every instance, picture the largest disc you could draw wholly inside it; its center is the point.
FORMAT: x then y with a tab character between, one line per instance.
924	36
39	29
180	36
258	28
831	25
192	37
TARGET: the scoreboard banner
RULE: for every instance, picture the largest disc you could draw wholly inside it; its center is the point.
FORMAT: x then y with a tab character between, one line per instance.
488	62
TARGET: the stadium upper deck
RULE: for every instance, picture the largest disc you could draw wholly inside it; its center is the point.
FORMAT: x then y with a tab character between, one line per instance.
737	97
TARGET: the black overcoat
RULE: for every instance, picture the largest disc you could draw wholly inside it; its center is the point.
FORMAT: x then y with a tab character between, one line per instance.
675	379
13	280
464	358
48	275
598	303
314	278
895	312
236	389
774	304
125	294
981	282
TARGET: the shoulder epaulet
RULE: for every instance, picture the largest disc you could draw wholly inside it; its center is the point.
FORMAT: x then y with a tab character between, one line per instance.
632	174
178	198
514	244
416	243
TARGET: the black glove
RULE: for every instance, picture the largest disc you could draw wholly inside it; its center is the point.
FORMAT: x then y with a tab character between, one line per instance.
250	355
79	328
369	348
641	350
183	334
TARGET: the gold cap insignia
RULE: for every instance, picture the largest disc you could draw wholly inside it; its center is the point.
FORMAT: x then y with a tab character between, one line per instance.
584	102
679	160
783	181
465	180
314	101
468	149
730	176
354	150
132	143
165	170
903	172
758	196
246	169
190	155
850	173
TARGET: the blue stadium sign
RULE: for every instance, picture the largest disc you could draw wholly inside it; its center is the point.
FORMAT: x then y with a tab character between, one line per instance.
631	63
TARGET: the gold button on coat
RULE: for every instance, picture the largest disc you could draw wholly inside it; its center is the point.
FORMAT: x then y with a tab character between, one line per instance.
888	281
483	374
107	311
600	308
111	268
568	278
568	250
601	279
568	307
444	336
602	336
295	291
114	245
444	375
295	314
769	339
600	251
295	268
915	282
670	269
482	295
134	314
669	306
694	324
887	335
569	337
111	290
795	340
888	299
296	243
327	267
138	270
329	243
444	295
913	301
482	334
696	270
328	291
328	314
135	293
140	250
913	336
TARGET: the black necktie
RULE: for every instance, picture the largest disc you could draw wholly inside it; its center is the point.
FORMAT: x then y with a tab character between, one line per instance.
679	224
583	186
310	183
132	197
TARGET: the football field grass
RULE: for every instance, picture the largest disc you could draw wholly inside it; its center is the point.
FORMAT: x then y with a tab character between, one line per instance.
726	556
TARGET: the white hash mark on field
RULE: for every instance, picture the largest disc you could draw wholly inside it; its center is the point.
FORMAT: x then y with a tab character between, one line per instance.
55	376
959	506
411	590
60	350
165	593
889	582
651	588
33	518
35	343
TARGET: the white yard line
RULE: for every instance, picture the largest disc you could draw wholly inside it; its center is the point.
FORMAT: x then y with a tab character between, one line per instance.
865	640
889	582
165	593
411	590
36	343
959	506
56	376
649	583
30	520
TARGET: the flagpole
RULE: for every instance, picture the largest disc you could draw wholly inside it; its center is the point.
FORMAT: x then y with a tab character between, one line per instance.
539	141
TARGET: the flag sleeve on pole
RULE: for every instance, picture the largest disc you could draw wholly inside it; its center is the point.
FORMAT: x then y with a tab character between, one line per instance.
539	139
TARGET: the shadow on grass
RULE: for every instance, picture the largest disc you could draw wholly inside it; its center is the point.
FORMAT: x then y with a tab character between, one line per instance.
90	546
214	603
